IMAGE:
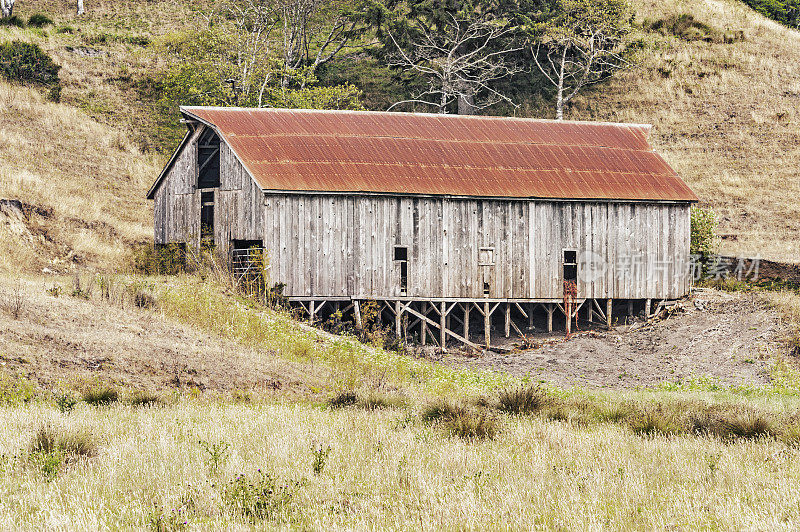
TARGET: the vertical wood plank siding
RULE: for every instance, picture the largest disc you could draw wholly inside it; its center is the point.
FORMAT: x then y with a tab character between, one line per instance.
331	245
343	245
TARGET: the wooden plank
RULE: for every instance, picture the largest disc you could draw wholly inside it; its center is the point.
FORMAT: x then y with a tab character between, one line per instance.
446	331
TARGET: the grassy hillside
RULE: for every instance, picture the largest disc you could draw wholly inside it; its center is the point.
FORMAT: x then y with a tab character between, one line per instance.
725	115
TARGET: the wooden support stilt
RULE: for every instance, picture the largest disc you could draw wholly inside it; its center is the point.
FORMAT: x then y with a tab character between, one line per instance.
630	307
467	308
442	328
357	312
609	305
647	305
487	324
312	312
397	314
568	313
530	316
424	325
550	310
508	320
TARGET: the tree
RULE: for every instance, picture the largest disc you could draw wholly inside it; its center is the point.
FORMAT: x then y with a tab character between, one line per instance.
459	50
7	8
582	43
315	31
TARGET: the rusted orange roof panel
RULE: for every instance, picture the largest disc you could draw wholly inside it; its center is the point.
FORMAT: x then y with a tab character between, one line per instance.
404	153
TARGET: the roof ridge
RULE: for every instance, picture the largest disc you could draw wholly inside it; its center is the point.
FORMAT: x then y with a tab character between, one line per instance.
427	115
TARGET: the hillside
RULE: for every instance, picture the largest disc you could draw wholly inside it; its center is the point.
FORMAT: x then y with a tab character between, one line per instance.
725	116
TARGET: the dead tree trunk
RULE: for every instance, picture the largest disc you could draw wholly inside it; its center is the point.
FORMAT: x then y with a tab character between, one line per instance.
80	7
7	8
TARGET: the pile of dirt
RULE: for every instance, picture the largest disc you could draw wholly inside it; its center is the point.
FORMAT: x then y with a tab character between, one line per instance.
730	338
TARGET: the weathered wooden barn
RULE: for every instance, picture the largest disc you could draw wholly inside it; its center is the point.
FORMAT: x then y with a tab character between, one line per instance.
453	224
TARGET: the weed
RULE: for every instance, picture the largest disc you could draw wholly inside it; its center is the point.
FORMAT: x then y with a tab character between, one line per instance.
52	447
342	399
13	20
472	425
523	399
319	455
257	499
100	394
65	402
54	290
38	20
160	521
15	389
377	400
731	423
441	410
14	302
144	398
656	419
218	453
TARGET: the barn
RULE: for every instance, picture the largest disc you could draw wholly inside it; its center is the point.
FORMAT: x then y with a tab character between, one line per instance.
458	227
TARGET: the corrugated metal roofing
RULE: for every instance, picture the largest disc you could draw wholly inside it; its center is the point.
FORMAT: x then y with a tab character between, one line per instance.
405	153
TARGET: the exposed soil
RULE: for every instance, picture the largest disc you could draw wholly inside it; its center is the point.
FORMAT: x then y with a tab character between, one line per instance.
727	337
63	340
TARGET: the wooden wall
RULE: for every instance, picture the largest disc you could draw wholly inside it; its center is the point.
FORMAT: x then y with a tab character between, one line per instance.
338	245
238	202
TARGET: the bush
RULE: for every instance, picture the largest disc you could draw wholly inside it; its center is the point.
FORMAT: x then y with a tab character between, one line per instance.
342	399
441	410
524	399
703	240
142	398
656	419
167	259
39	20
25	62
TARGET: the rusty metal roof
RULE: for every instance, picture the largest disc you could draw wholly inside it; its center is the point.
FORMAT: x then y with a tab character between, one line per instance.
412	153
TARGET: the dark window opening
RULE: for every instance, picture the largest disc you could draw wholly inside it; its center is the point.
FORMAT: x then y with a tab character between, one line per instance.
570	265
208	160
401	255
486	289
207	219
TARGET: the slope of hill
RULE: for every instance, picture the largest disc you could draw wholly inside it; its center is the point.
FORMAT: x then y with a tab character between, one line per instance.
724	111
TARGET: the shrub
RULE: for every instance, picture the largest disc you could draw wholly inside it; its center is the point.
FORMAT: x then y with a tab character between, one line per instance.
703	240
167	259
259	498
100	395
26	62
13	20
319	455
523	399
39	20
376	400
65	403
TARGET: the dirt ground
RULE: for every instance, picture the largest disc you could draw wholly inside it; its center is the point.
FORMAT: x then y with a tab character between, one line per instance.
64	340
724	336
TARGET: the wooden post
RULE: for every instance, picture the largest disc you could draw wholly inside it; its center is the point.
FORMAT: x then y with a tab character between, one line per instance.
589	310
508	320
357	312
550	309
467	308
530	316
442	320
312	314
486	324
630	307
569	316
424	325
647	304
397	324
609	306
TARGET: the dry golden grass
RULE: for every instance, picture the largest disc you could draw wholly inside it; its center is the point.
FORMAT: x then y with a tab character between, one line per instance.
384	472
725	117
86	177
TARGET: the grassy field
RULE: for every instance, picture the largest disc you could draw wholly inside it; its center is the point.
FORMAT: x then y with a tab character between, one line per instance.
256	468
